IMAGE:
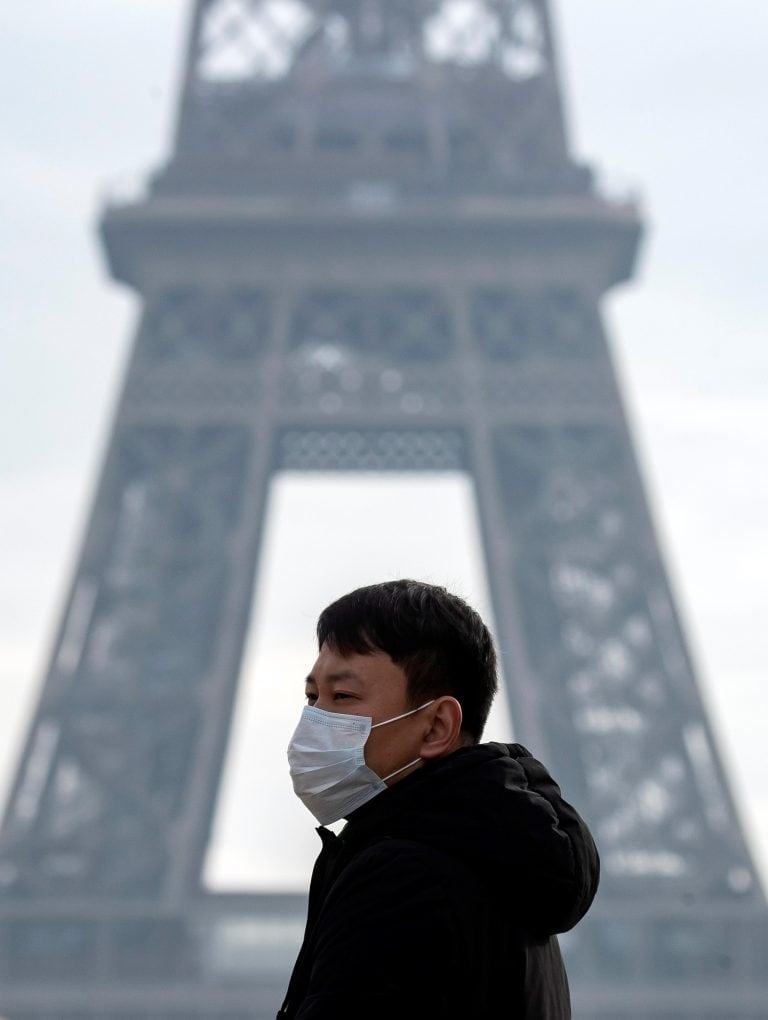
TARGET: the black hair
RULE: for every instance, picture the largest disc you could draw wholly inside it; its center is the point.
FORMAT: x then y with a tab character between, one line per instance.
438	640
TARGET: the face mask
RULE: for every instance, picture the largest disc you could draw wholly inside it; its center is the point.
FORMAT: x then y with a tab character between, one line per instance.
327	762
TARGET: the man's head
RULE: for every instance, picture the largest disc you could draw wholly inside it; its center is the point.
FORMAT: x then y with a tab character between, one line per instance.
437	640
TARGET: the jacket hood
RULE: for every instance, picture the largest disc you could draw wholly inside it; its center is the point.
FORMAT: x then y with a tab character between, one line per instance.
496	809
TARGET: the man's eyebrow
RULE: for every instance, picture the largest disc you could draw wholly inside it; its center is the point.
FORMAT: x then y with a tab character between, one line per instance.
344	674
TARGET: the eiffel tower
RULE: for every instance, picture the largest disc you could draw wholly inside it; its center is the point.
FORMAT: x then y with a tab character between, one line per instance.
369	251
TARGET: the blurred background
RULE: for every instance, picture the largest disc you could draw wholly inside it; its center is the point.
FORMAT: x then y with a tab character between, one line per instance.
666	101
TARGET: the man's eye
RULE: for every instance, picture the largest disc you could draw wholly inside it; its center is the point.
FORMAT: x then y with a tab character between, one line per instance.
339	695
311	697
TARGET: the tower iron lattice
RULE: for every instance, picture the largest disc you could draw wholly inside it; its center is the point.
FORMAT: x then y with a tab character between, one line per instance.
370	250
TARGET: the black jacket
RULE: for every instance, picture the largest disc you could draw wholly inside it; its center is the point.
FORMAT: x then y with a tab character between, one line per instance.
442	896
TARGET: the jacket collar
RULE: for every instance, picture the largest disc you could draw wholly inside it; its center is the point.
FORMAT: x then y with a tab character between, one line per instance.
381	812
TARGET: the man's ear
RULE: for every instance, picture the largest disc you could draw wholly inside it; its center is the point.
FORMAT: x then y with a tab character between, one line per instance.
444	733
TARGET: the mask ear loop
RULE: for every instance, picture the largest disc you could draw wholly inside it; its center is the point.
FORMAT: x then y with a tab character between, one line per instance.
413	711
403	716
398	771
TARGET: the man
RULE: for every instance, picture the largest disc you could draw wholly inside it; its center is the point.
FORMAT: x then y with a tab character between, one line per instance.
459	861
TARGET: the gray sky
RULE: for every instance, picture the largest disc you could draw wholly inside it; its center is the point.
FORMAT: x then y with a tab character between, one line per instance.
667	99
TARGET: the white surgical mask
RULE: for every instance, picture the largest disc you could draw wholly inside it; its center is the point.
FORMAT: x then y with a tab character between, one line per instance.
327	762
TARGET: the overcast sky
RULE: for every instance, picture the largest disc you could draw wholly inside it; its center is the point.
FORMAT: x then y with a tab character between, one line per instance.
667	99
